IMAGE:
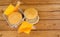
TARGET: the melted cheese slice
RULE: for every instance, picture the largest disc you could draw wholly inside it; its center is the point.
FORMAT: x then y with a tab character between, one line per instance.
30	13
14	17
9	10
25	27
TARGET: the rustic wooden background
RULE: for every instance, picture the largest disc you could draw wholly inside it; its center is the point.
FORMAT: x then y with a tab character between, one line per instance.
48	26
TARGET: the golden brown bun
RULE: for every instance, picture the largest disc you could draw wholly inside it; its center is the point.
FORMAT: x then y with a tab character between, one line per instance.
14	17
30	13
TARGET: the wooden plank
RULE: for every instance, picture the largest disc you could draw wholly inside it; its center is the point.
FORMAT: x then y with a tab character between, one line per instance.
33	2
49	15
37	2
48	24
5	2
38	7
4	26
41	1
32	34
41	25
42	15
42	7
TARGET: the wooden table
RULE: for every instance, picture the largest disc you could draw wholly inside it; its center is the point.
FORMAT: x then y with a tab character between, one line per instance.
49	13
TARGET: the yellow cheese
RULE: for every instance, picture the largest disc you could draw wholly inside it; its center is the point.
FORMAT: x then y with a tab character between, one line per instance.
25	27
9	10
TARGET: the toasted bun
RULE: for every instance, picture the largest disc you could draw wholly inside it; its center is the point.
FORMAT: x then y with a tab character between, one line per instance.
14	17
30	13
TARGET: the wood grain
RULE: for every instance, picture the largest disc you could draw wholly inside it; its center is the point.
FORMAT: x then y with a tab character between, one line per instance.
49	15
34	2
48	25
41	25
36	34
49	18
42	1
45	11
5	26
42	7
5	2
50	8
37	2
42	15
